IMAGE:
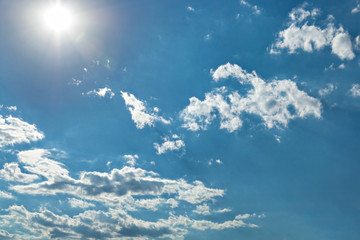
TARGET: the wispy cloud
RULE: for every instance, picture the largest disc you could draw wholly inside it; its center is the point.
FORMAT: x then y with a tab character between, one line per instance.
77	203
191	9
140	114
14	130
327	90
11	172
6	195
255	9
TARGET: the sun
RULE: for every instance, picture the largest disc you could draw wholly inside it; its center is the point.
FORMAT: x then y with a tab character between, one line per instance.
58	18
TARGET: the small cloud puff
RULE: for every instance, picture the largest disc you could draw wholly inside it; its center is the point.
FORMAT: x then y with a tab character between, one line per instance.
356	9
173	143
191	9
355	90
102	92
255	8
131	159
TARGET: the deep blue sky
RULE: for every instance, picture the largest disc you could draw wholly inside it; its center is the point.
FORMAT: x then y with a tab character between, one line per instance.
115	128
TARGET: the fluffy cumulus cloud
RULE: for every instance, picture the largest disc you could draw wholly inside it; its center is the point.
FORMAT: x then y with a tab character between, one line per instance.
120	192
355	90
140	114
14	130
276	102
173	143
299	34
102	92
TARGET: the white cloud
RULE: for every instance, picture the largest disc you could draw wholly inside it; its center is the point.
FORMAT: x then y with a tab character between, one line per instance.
77	203
330	67
199	114
342	46
356	9
131	159
11	108
121	191
327	90
255	8
203	209
218	161
6	195
13	131
106	187
276	102
75	82
11	172
170	144
224	210
139	113
191	9
37	162
341	66
243	2
102	92
357	42
355	90
115	223
301	35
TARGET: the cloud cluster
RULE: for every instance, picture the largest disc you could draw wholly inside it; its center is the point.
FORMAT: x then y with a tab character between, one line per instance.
309	37
101	186
140	114
112	224
255	8
173	143
14	130
276	102
120	191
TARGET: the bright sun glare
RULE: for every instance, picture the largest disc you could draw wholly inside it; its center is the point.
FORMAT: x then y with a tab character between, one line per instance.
57	18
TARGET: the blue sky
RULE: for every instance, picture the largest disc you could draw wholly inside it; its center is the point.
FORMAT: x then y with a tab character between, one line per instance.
180	119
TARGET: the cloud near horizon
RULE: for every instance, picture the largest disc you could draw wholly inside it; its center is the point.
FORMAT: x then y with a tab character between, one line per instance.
120	191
